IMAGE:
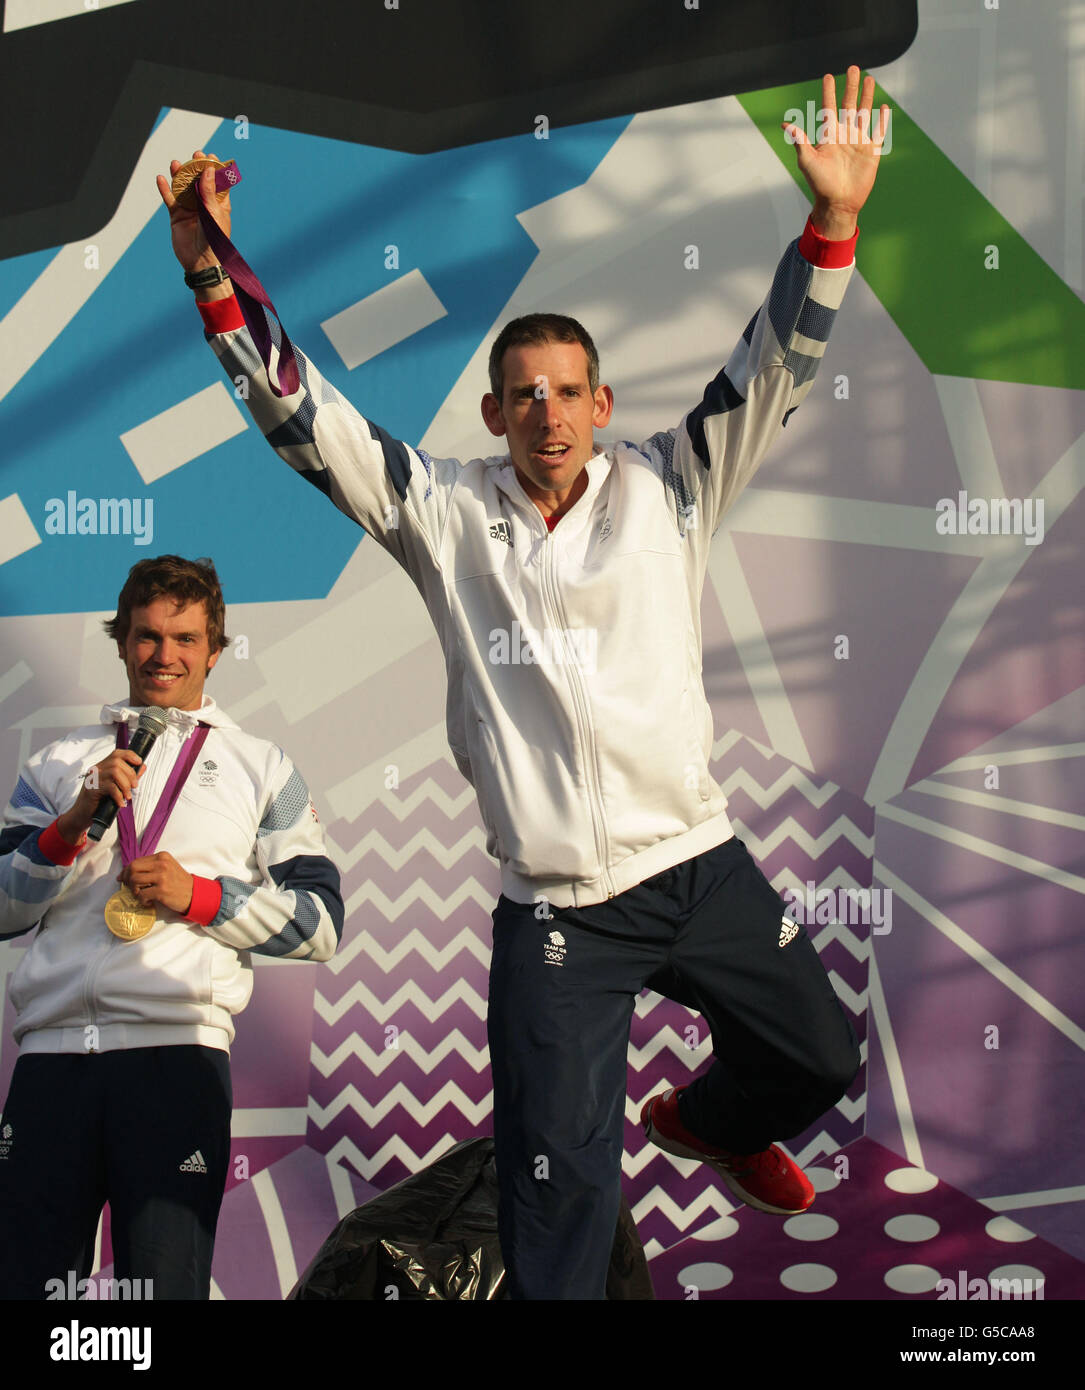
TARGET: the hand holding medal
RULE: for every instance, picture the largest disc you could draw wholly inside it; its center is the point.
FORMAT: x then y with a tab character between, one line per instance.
180	193
184	177
197	196
155	880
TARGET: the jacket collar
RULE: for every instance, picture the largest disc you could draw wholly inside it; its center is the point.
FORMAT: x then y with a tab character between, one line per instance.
181	720
598	469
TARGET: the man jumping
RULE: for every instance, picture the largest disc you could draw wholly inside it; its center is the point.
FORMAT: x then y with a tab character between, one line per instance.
564	580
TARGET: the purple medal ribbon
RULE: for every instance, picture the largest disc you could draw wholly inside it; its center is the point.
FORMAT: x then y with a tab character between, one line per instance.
251	295
126	821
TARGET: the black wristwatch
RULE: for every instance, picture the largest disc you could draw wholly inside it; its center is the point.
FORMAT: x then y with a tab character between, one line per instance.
203	279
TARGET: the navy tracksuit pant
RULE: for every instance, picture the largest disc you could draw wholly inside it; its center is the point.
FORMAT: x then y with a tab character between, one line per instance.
146	1129
706	933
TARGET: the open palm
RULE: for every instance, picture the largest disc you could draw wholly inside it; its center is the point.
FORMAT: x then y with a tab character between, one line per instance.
842	166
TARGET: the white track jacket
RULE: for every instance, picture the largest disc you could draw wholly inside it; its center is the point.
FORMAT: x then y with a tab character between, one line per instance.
575	701
244	817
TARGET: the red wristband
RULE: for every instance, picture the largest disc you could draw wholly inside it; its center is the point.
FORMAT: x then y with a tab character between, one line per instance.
820	251
206	900
55	847
221	315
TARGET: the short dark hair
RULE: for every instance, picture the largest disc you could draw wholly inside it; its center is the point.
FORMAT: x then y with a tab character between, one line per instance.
535	330
171	576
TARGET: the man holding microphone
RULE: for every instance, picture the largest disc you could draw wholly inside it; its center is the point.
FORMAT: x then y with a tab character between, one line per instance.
125	999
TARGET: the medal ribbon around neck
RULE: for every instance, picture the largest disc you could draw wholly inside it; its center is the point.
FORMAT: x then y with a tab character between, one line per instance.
131	848
126	916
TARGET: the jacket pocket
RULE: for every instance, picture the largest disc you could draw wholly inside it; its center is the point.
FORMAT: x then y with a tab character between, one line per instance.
695	773
159	979
481	756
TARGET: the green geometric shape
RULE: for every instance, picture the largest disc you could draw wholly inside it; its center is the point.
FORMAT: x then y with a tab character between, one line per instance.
922	251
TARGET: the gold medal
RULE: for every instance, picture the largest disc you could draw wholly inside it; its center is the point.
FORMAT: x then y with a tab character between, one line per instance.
127	917
184	182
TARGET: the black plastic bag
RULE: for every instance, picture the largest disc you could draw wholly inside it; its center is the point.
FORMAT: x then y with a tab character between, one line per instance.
434	1236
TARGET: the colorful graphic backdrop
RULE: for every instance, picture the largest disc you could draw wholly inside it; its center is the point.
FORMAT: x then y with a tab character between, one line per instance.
934	755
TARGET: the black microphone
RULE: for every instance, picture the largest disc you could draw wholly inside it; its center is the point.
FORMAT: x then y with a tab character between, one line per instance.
152	722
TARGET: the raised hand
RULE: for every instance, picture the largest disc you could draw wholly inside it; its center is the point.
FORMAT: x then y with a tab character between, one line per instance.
842	166
189	243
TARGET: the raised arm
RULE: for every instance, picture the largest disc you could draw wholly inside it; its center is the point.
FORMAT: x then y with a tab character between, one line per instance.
397	493
707	461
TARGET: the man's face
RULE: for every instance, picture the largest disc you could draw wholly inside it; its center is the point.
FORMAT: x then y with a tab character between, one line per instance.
548	414
167	654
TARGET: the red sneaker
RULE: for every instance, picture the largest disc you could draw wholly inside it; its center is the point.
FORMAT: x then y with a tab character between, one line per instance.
769	1180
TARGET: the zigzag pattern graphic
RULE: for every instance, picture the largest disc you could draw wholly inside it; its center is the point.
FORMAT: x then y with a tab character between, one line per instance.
396	857
399	1062
408	993
660	1205
426	1059
386	959
421	1114
394	908
393	1153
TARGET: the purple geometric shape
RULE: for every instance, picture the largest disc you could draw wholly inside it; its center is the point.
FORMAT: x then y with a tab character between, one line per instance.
277	1023
258	1152
994	1120
726	684
859	1252
1028	654
1057	783
244	1265
844	708
892	414
1030	428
